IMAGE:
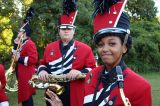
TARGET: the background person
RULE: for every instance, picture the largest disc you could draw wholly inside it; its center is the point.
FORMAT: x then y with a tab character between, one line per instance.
26	60
67	56
3	96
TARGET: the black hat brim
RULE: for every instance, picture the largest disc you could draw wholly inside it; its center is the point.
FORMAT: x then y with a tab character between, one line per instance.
104	32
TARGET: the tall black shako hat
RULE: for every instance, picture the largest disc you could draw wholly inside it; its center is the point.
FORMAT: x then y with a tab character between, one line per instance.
27	29
109	19
29	15
67	19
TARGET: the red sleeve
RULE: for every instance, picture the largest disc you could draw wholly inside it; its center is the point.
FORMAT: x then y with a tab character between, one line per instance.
143	96
43	63
32	53
2	77
43	59
90	61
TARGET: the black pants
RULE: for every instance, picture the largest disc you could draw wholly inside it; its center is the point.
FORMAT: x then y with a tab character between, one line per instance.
28	102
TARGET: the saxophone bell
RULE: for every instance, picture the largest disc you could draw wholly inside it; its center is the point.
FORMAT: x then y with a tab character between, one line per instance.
56	88
11	81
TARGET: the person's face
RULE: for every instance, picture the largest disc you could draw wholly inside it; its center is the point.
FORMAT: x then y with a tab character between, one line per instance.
20	33
66	33
110	49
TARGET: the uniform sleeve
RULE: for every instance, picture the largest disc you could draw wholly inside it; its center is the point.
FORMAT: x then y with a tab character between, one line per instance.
90	62
43	64
32	56
143	97
2	77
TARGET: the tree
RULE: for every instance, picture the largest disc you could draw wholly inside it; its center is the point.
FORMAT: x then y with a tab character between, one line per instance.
46	22
142	9
10	20
145	53
5	29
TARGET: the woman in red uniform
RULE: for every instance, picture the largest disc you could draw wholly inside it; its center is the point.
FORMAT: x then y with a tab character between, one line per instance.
26	59
103	83
3	96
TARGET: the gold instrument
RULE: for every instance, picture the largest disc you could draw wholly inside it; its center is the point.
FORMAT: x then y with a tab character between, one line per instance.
11	80
52	81
120	80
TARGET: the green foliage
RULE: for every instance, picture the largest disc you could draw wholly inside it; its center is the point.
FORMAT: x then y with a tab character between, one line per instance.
143	56
145	53
5	30
142	9
46	22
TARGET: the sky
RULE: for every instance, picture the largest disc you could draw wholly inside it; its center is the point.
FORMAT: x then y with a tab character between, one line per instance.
157	4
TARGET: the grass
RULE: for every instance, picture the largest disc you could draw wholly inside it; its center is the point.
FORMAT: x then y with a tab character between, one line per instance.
153	78
38	98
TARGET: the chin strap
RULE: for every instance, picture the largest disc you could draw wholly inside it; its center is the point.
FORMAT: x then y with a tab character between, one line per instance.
121	85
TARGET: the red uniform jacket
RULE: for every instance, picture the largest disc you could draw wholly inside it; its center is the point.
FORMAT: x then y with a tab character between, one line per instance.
3	96
79	57
136	89
26	70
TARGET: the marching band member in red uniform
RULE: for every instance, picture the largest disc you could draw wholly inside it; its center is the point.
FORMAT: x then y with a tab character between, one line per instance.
113	40
3	96
67	56
26	60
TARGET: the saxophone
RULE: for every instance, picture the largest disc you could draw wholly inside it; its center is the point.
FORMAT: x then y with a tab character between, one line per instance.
52	82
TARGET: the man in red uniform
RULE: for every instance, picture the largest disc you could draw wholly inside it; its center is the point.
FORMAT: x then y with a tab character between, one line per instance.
3	96
67	56
26	60
105	84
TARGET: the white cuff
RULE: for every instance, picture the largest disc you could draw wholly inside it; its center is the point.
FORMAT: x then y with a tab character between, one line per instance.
89	69
13	51
26	61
